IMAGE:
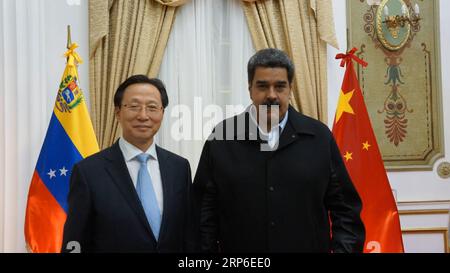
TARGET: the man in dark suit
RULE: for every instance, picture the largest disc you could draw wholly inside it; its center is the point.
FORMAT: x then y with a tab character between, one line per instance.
272	179
133	196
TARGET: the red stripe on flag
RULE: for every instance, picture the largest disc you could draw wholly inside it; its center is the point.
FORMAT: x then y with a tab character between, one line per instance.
44	220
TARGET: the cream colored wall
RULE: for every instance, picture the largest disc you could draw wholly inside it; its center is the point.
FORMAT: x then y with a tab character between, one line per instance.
423	197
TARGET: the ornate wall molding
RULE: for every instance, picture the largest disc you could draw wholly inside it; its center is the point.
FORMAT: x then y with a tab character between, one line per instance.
401	85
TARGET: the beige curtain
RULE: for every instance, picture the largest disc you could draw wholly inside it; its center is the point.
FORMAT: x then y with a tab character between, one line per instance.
125	38
302	28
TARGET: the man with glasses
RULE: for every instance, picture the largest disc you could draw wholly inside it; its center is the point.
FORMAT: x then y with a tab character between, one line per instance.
133	196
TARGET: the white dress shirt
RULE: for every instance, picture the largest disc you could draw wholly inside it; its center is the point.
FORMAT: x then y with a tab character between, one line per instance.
130	152
274	135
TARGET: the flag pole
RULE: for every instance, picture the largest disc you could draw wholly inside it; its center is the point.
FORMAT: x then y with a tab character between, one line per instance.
69	38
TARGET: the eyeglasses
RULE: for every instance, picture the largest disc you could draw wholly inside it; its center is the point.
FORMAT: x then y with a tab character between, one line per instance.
137	108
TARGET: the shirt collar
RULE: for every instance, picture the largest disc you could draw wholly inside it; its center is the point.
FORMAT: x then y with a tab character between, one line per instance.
284	121
130	151
281	124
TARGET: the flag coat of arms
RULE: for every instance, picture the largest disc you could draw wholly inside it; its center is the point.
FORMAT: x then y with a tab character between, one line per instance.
356	140
70	137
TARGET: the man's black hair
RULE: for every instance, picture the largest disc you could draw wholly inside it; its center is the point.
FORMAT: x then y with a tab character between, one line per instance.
273	58
135	79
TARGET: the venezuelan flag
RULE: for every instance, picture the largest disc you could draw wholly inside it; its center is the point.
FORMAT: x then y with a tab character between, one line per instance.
70	138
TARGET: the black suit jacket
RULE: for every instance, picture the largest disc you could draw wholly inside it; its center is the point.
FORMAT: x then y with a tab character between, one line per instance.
277	201
105	213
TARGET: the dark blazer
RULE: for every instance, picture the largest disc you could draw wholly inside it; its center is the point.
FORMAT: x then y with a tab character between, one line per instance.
277	201
105	213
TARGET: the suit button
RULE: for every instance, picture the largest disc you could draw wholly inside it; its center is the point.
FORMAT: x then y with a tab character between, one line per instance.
271	188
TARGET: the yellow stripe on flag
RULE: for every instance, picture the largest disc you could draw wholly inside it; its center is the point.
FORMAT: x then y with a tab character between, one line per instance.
73	114
78	127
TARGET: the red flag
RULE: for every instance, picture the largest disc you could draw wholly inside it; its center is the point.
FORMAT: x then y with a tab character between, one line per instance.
357	143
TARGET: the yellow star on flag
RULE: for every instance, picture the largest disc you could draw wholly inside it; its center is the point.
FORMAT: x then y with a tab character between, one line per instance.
344	105
348	156
366	145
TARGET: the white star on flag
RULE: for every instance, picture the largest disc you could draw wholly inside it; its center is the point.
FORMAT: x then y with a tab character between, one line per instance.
51	173
63	171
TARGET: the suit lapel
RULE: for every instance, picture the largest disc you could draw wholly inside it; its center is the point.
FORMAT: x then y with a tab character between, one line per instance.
118	171
288	135
167	185
295	128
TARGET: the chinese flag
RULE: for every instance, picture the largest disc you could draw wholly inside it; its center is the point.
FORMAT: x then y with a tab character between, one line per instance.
357	143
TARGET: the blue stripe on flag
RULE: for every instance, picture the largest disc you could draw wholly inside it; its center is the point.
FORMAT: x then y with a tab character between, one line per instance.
57	157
